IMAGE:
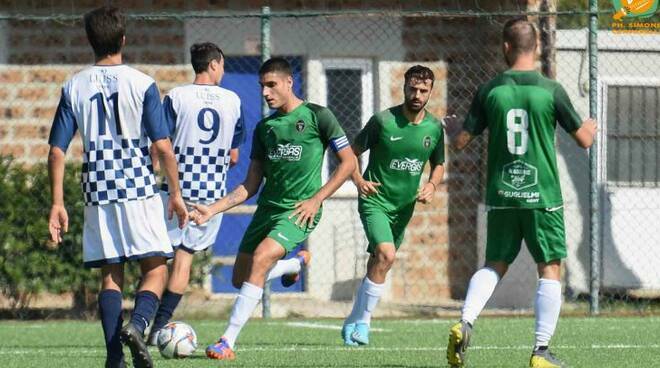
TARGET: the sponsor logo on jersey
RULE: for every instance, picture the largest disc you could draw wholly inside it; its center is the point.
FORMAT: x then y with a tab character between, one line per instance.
411	165
394	139
426	142
287	152
300	126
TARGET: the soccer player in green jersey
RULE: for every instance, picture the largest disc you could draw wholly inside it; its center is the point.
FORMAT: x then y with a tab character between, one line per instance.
520	108
287	151
401	140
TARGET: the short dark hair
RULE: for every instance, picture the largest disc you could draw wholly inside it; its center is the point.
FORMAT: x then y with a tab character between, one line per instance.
201	55
105	28
276	65
420	73
521	35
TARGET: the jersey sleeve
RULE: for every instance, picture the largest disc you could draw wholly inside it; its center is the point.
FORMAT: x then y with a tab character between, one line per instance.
152	115
438	155
239	131
475	122
258	148
368	136
565	113
169	115
331	132
64	124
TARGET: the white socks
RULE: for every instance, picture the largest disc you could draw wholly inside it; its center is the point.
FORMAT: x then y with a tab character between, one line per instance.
246	301
366	300
283	267
547	305
482	285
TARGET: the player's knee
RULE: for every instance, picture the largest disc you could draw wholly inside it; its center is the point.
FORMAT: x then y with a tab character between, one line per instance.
386	258
262	261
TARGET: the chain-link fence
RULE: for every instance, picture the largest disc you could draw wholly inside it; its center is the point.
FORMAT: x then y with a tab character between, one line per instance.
353	62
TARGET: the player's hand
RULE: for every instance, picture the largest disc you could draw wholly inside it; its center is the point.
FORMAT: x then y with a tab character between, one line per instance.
176	205
306	211
367	188
590	125
452	126
425	193
58	223
201	213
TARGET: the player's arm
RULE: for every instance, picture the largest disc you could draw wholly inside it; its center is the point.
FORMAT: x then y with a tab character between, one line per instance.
61	133
238	139
159	131
586	133
475	123
425	193
242	193
583	132
330	132
233	156
367	137
436	159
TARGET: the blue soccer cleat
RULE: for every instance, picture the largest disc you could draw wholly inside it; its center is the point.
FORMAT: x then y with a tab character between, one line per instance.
346	332
361	334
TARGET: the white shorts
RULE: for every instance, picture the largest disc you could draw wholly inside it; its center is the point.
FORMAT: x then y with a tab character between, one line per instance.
192	238
119	232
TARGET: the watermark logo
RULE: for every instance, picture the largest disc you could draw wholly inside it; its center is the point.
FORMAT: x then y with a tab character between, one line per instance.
634	8
629	16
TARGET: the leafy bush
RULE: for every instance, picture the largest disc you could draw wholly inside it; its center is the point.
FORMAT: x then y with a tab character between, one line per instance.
27	266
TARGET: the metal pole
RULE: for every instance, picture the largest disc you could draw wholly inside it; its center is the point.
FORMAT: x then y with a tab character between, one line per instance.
594	240
265	55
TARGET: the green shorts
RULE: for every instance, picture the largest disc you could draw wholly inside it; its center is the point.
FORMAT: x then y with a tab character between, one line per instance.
382	226
274	223
542	230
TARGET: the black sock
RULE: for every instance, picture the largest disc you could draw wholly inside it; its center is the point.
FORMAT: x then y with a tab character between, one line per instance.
146	303
167	306
111	320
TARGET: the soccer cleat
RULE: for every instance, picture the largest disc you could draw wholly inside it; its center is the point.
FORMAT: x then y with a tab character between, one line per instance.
346	332
220	350
459	340
361	334
543	358
130	336
152	340
291	278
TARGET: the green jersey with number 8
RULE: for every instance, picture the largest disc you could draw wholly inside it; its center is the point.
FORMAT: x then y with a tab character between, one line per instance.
521	110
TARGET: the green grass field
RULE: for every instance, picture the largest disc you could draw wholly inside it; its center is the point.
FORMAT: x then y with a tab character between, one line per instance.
498	342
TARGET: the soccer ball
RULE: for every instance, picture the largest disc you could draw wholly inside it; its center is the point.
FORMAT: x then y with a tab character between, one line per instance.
177	340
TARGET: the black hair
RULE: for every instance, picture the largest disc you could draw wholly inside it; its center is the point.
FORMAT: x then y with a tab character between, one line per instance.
276	65
201	55
105	28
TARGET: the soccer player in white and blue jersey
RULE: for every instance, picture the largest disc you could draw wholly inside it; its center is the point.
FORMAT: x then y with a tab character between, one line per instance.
206	126
117	110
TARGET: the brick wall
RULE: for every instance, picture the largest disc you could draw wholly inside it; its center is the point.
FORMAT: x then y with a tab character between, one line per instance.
29	97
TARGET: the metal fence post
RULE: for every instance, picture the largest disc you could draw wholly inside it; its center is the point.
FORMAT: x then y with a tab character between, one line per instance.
594	197
265	55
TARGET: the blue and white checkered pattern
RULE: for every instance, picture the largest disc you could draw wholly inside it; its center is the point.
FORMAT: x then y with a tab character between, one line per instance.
202	175
117	172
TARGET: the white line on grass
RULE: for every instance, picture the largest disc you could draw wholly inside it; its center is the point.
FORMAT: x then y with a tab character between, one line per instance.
323	326
94	351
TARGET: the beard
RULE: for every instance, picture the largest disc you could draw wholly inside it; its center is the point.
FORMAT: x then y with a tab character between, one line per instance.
412	107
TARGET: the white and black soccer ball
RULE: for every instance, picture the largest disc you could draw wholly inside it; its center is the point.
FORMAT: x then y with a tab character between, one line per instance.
177	340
